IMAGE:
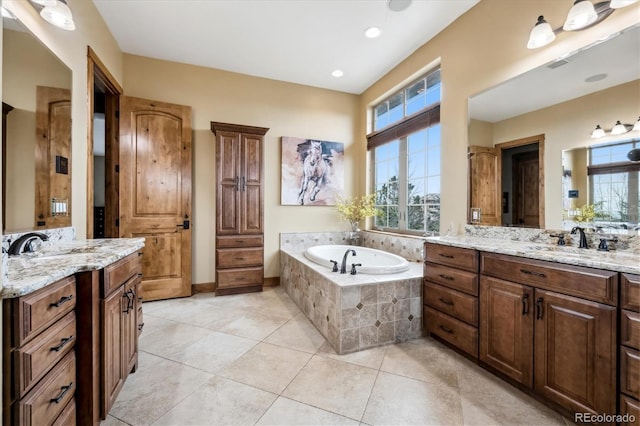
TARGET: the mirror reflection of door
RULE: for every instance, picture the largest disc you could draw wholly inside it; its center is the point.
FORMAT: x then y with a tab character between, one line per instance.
521	183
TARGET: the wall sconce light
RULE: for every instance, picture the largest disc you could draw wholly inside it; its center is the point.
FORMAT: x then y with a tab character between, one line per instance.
56	12
618	129
582	15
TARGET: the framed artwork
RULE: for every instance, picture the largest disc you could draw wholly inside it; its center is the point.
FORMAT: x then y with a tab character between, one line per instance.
312	172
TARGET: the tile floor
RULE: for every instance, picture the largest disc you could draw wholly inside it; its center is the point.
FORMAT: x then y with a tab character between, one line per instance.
255	359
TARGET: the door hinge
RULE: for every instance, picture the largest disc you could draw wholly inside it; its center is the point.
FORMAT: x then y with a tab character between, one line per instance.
117	222
117	168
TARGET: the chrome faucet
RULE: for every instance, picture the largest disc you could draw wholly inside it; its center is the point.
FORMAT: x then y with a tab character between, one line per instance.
23	244
343	267
583	237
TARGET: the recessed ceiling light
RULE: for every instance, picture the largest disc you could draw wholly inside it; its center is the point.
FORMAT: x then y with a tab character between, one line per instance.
372	32
398	5
337	73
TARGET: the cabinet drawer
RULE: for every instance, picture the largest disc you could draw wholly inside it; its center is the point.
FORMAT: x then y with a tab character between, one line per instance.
68	415
238	258
33	360
119	272
588	283
452	278
456	332
630	329
630	292
239	278
630	372
239	241
452	256
40	309
44	403
458	305
630	407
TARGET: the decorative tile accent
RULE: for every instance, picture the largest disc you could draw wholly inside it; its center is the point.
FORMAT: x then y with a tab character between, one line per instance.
410	317
359	306
378	323
394	300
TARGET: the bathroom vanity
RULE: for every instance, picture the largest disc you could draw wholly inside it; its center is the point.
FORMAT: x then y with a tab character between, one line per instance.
71	321
546	317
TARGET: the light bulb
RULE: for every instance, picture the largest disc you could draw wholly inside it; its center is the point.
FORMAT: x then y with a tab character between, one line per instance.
581	15
598	132
619	128
541	34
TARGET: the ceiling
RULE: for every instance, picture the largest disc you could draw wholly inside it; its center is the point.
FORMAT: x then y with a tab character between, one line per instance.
617	59
298	41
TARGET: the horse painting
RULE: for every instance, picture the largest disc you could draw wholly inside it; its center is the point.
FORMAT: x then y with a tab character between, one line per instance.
314	169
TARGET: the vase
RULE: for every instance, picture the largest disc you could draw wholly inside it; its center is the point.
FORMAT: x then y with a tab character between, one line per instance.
355	225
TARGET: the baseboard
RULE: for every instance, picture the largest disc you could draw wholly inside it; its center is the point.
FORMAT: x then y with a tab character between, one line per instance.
203	288
271	282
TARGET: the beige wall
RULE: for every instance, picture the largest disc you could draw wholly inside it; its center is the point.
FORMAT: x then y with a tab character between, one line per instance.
481	49
569	125
27	64
71	49
286	109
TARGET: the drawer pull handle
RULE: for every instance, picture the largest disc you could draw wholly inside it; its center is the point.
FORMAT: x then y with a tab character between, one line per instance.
539	308
446	329
535	274
446	256
241	278
62	301
65	389
446	277
63	342
446	302
525	304
240	258
140	275
239	241
140	327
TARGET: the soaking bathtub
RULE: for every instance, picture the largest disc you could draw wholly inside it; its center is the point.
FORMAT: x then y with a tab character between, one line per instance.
373	261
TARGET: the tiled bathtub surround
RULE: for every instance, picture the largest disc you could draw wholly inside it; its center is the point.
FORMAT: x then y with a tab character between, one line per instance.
355	312
300	241
406	246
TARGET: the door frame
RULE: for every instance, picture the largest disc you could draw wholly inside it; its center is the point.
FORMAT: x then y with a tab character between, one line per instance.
97	73
539	139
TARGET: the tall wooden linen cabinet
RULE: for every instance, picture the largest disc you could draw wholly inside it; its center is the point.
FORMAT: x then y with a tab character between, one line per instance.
239	208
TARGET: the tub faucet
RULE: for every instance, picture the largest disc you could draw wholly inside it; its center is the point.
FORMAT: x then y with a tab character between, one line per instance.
343	267
23	244
583	237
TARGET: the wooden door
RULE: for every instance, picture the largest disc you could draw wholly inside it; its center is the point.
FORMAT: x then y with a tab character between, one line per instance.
506	328
526	203
111	353
485	184
251	185
575	352
228	194
52	156
155	192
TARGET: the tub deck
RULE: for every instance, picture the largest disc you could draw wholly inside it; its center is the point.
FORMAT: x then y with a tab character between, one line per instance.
355	312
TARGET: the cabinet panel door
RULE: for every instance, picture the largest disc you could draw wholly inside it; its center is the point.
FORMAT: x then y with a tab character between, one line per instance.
111	356
575	350
130	326
229	174
506	328
251	189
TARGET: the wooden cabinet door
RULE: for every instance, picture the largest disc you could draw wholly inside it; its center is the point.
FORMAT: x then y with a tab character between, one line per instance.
129	327
251	189
485	184
229	174
506	328
155	191
575	350
111	357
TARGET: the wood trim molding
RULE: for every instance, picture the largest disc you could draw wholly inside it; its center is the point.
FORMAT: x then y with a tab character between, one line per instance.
239	128
203	288
271	282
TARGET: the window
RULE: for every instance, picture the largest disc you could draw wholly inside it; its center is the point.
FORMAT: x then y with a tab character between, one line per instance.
613	184
406	158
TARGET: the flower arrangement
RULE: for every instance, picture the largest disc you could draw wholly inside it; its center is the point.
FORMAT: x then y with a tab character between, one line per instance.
585	213
357	208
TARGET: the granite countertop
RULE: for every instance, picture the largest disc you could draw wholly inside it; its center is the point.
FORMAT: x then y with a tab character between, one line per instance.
619	261
28	273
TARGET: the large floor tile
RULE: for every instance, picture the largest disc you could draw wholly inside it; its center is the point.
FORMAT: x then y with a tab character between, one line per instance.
220	402
213	352
253	325
371	358
268	367
430	361
286	412
156	387
398	400
298	333
487	399
112	421
171	338
332	385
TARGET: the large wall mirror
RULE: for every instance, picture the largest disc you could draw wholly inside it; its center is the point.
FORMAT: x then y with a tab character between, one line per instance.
558	104
36	139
